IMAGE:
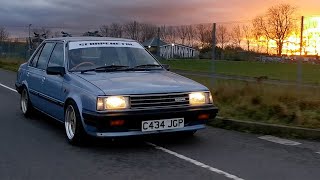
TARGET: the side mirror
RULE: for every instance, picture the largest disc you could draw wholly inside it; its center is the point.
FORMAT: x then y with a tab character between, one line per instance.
57	70
166	66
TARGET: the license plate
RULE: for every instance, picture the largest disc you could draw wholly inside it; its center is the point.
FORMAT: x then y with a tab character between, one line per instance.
164	124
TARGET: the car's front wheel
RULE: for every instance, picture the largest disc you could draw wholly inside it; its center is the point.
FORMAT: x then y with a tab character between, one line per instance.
75	132
25	103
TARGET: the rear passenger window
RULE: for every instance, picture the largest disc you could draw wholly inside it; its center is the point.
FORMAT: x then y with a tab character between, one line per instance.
34	61
44	56
57	56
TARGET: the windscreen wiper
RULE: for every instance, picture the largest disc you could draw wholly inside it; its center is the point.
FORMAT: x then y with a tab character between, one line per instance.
107	68
147	66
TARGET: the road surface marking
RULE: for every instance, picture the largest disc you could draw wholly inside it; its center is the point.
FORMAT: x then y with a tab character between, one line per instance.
280	140
8	87
195	162
318	152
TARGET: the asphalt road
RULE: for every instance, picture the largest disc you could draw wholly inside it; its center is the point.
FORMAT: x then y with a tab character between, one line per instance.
36	148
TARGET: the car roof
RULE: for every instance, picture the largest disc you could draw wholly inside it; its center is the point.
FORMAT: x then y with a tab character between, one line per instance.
68	39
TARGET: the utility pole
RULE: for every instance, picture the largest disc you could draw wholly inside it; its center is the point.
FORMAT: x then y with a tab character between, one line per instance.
158	43
213	56
299	73
30	39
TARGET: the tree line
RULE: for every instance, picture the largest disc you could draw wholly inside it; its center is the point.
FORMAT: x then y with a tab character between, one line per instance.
276	24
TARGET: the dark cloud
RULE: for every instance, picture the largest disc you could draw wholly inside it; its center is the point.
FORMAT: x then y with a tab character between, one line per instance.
94	12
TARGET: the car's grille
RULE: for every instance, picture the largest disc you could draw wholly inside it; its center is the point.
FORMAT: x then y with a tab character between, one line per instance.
159	100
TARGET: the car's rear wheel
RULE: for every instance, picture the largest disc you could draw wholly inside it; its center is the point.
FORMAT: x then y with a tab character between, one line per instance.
75	132
25	103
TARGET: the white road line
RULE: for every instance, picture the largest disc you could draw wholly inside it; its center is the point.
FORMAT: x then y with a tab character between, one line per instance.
279	140
195	162
8	87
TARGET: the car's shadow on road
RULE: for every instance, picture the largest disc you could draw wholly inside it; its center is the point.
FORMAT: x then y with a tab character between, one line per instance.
57	129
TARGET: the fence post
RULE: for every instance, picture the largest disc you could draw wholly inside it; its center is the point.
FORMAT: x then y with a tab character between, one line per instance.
213	56
299	73
158	42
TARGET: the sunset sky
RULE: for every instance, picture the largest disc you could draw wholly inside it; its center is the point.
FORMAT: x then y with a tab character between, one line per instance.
83	13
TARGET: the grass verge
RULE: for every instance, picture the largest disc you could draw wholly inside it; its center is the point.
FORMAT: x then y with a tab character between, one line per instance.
12	66
273	104
280	71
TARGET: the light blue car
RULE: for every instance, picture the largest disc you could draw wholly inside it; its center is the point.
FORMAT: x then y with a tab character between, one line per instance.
110	87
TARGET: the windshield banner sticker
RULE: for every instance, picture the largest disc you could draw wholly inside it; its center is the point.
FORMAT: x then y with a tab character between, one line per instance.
91	44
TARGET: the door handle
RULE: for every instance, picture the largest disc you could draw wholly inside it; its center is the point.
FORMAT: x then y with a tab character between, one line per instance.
43	79
28	74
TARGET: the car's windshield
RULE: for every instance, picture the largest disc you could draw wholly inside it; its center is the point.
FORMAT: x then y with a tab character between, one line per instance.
90	55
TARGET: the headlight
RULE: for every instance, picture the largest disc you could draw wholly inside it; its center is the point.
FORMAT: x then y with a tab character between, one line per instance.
112	103
200	98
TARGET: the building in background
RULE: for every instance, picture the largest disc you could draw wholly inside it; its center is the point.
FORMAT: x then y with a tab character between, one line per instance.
169	51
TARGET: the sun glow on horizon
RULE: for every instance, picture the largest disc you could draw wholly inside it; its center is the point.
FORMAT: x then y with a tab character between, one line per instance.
311	39
291	45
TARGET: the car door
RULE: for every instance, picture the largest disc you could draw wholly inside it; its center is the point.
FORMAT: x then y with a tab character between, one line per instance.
32	78
53	84
36	76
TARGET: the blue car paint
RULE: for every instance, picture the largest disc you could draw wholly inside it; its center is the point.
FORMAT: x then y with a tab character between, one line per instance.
84	88
141	82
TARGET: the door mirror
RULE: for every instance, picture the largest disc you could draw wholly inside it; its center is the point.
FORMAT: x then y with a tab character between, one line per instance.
57	70
166	66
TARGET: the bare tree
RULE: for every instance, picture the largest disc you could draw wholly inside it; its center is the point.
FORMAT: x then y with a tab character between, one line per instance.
248	35
190	35
163	30
147	31
116	30
278	23
236	36
132	29
260	32
57	34
223	37
204	33
105	30
3	34
170	34
182	32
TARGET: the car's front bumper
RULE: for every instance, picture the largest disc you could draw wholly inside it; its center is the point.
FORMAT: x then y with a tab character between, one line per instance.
98	124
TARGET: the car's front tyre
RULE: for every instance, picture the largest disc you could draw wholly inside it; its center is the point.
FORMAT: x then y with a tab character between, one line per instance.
75	132
25	103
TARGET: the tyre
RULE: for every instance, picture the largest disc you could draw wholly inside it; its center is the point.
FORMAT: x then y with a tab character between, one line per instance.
25	103
75	132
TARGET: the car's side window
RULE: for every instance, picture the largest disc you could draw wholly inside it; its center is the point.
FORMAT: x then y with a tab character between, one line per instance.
35	58
57	56
44	56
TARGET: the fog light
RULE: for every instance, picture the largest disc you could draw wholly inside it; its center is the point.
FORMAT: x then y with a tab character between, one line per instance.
116	122
203	116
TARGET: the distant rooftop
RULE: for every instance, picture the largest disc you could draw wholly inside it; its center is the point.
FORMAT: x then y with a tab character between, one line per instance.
153	42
